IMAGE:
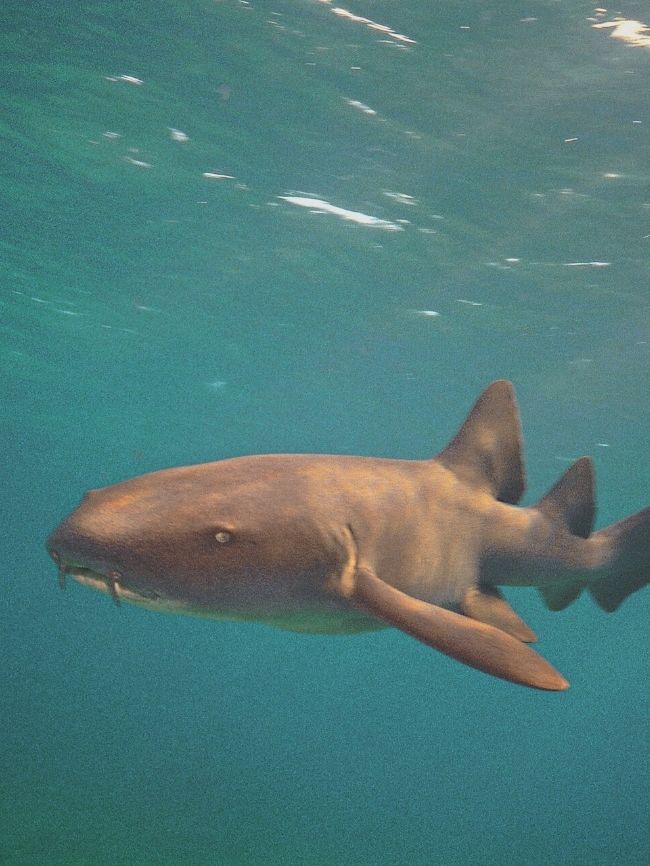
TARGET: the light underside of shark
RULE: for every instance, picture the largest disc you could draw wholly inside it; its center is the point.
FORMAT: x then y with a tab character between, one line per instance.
338	544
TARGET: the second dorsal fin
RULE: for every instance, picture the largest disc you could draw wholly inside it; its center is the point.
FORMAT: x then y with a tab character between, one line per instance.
486	452
571	501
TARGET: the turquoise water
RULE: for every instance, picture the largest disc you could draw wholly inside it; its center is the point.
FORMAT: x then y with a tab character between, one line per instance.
154	314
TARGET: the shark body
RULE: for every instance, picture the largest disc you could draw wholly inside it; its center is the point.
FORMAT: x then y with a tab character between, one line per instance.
339	544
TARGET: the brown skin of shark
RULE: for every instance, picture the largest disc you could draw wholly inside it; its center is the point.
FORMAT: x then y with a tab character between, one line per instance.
340	544
282	523
285	515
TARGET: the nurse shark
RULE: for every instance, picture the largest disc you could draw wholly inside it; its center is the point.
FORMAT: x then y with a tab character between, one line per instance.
340	544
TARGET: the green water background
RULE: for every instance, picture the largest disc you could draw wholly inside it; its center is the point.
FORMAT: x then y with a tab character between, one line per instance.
153	316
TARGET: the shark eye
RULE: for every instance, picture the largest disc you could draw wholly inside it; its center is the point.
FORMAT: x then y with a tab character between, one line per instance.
222	536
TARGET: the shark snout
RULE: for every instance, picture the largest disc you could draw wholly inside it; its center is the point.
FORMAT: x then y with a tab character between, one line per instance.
75	541
83	551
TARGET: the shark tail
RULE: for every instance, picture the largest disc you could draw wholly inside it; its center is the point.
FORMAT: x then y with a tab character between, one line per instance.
621	552
626	549
487	454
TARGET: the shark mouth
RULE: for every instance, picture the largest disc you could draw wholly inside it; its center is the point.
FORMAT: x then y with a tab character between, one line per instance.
110	583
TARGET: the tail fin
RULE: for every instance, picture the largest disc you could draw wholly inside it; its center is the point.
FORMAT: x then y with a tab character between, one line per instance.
486	451
626	547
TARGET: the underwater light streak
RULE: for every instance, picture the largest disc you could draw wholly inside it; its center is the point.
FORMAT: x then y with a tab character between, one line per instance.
317	205
372	25
632	32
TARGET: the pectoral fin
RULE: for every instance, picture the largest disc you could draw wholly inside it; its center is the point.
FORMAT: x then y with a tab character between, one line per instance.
474	643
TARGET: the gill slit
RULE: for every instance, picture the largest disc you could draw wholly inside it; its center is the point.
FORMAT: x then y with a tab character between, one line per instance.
347	582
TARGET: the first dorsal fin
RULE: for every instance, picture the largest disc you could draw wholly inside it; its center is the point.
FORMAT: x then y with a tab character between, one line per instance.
486	451
571	501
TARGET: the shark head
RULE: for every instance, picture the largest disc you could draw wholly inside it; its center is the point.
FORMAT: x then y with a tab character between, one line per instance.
216	539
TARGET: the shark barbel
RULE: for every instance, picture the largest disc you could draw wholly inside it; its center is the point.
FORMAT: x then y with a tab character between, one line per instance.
337	544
